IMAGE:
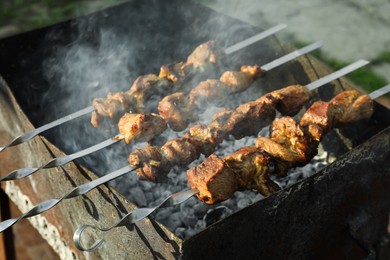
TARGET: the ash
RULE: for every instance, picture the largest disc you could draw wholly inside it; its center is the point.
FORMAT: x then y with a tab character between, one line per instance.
193	216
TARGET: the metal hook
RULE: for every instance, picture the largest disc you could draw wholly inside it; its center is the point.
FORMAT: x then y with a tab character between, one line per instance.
77	239
132	217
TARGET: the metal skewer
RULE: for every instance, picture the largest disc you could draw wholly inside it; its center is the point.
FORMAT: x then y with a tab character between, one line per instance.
77	191
133	217
229	50
138	214
84	188
24	172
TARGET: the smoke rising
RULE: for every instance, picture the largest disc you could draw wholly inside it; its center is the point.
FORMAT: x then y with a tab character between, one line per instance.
107	54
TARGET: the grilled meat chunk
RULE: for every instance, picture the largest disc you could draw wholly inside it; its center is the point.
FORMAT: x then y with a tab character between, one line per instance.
143	127
209	136
147	90
203	59
214	179
289	100
153	164
182	151
251	165
346	107
290	144
148	87
175	109
239	81
173	72
247	119
112	106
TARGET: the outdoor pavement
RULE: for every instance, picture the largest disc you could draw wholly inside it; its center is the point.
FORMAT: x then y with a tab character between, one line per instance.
350	29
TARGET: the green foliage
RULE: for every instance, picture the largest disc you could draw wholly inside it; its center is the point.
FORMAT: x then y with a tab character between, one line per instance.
31	14
383	57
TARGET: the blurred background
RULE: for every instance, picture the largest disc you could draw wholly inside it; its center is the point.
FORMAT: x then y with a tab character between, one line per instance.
350	29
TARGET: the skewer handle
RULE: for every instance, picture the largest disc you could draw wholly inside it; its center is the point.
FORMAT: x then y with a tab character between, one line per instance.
24	172
76	191
132	217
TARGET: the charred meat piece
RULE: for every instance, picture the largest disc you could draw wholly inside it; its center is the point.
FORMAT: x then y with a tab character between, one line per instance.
148	87
176	110
141	126
179	110
112	106
290	144
247	119
214	179
173	72
348	106
203	60
289	100
251	165
182	151
153	165
239	81
209	136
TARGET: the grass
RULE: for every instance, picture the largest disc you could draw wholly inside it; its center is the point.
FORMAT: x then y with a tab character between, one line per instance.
30	14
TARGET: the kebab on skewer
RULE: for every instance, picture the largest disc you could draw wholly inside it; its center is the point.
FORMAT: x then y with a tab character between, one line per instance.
202	63
157	158
168	70
246	120
290	145
144	127
248	168
179	109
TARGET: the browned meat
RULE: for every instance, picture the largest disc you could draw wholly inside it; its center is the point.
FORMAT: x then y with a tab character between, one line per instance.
175	109
293	144
203	59
290	145
112	106
289	100
251	165
142	127
150	86
348	106
173	72
209	92
153	164
182	151
147	90
214	179
317	114
239	81
209	136
247	119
